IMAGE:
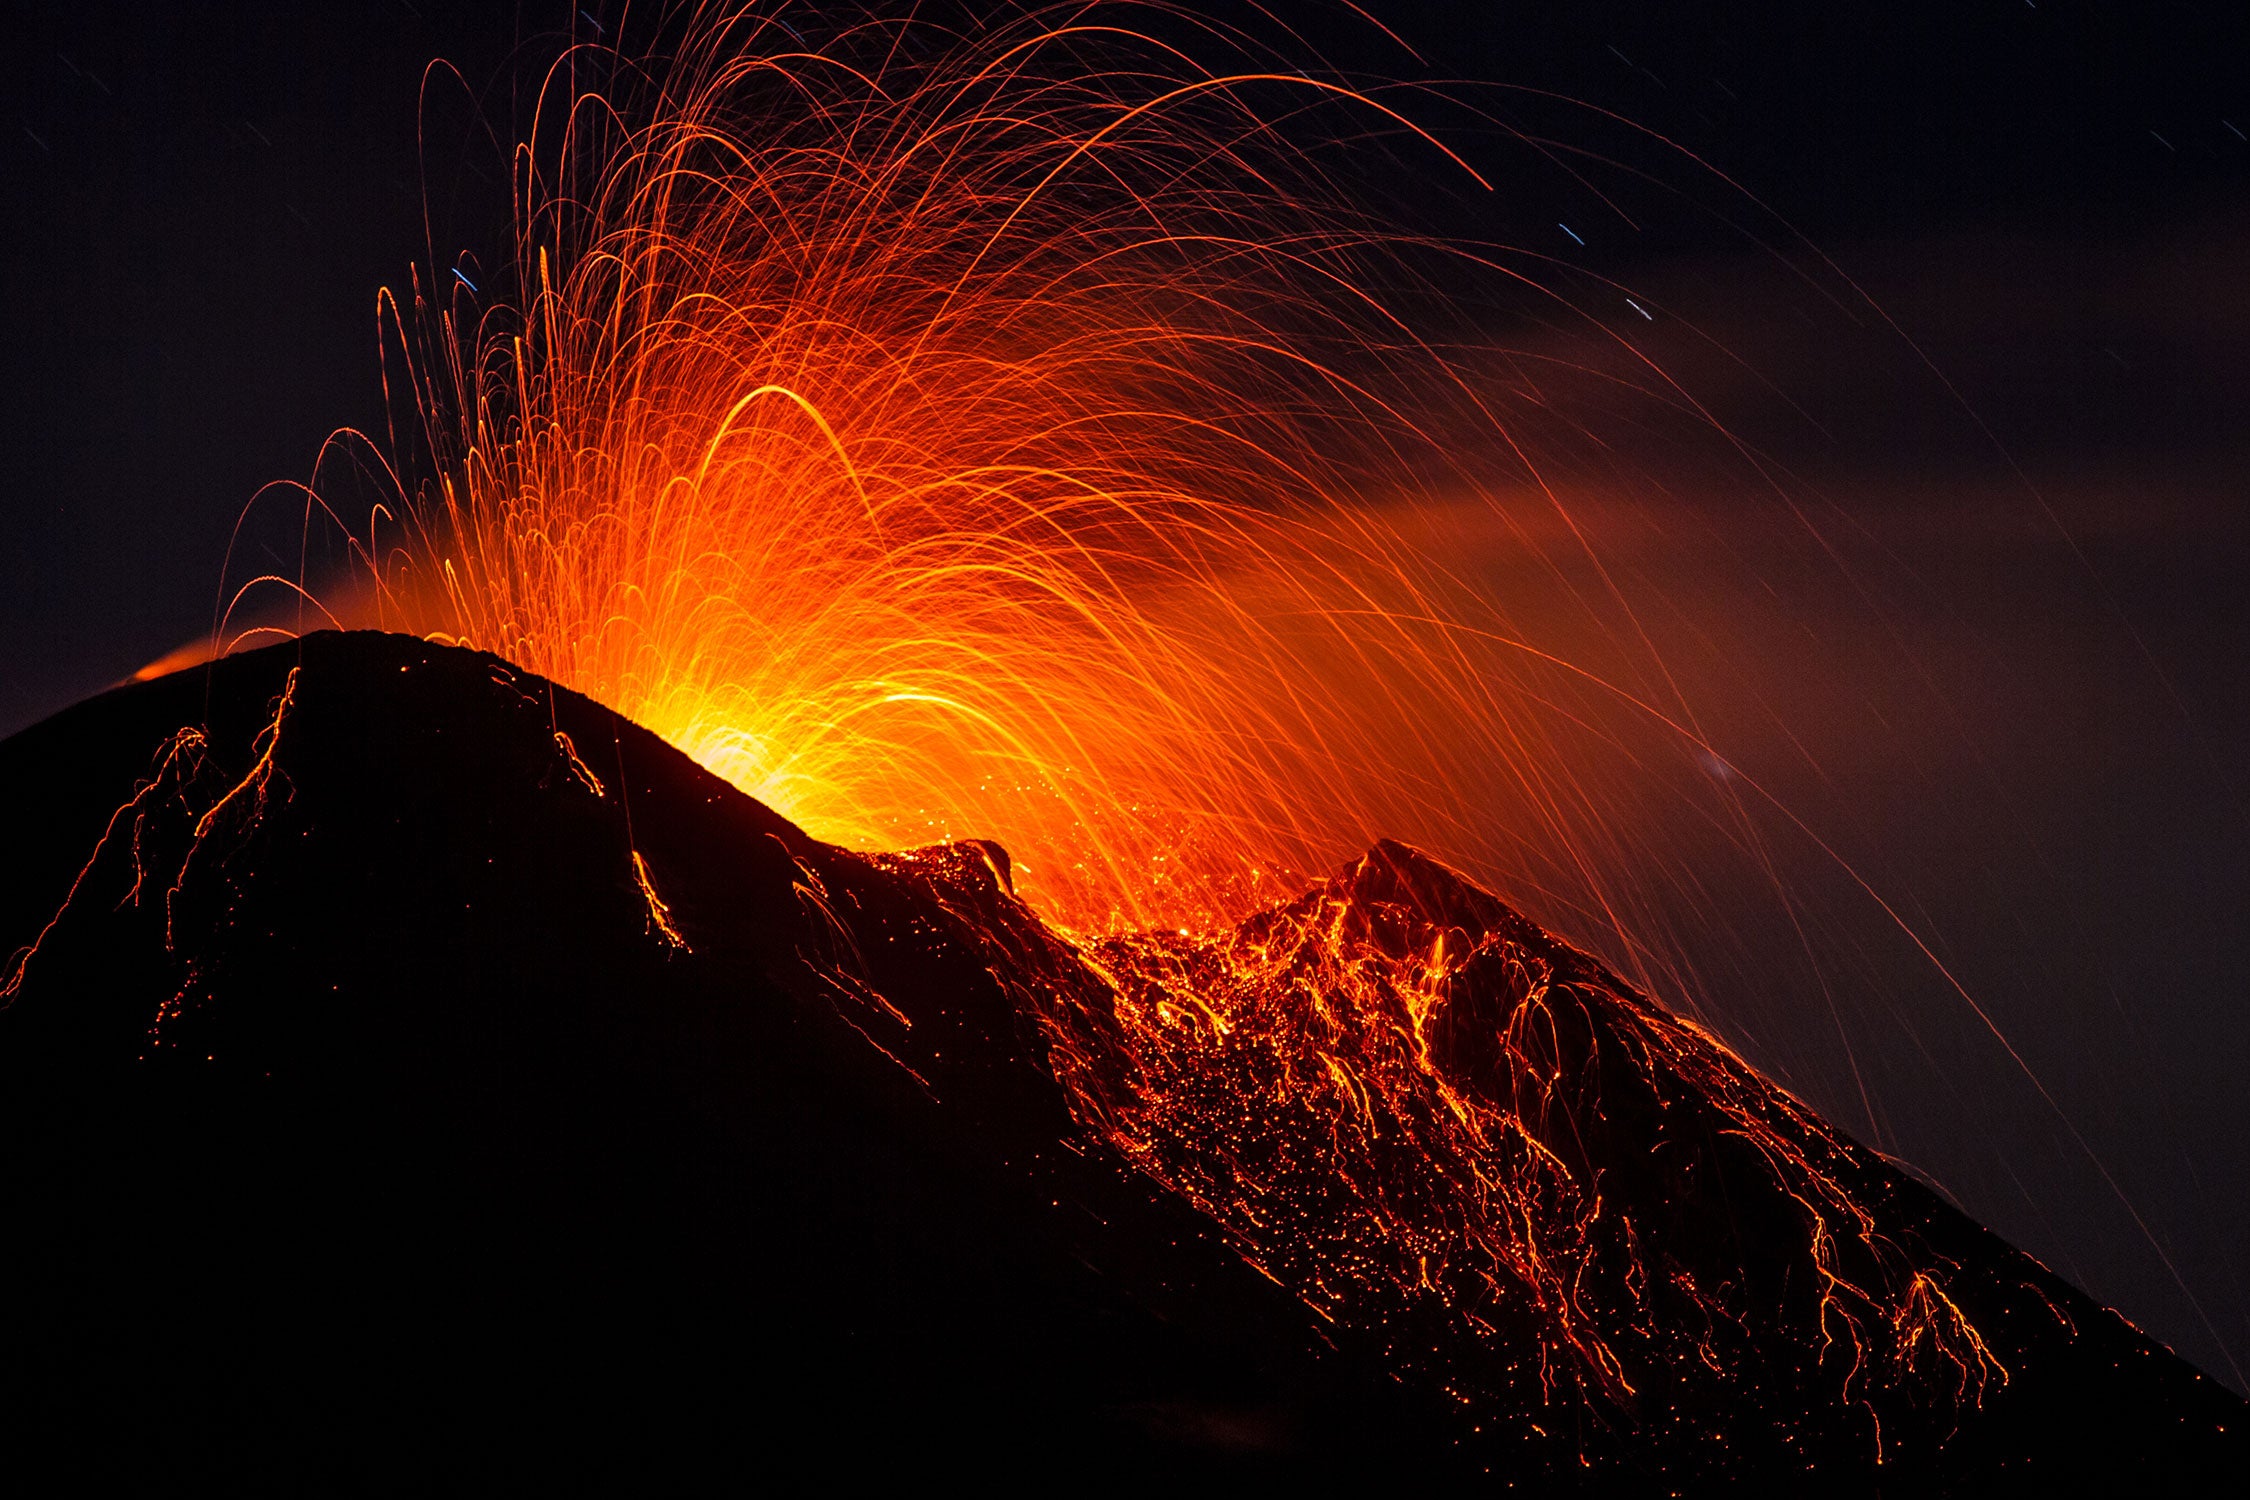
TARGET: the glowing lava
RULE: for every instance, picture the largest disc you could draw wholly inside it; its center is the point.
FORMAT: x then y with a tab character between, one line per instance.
980	440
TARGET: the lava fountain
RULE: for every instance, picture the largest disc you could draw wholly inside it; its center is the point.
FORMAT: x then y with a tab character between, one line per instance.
995	434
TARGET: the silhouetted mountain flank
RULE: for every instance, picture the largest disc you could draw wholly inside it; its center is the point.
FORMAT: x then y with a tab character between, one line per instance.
422	1078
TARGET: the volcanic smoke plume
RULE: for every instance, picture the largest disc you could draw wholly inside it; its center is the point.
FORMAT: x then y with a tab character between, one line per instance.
431	1072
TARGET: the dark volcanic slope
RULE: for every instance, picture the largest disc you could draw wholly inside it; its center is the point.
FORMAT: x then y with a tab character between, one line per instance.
433	1081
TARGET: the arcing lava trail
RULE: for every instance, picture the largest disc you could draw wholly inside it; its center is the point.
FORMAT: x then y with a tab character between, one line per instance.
431	1066
1020	429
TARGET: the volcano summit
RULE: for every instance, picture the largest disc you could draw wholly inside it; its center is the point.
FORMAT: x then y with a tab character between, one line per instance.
417	1075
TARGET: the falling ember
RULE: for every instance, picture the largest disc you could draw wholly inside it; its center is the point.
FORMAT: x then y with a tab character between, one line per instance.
659	914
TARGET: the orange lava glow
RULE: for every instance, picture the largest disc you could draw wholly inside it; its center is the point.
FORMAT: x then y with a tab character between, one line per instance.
989	441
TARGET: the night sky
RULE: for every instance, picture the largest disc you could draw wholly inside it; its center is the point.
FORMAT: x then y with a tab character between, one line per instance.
2043	464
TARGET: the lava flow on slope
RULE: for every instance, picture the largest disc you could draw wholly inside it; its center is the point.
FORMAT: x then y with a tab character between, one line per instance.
411	1067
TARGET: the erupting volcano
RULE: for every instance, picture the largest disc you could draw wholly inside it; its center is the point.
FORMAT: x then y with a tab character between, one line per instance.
884	869
431	1071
